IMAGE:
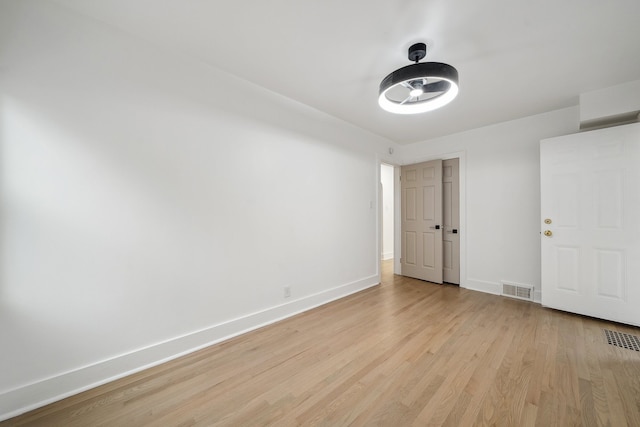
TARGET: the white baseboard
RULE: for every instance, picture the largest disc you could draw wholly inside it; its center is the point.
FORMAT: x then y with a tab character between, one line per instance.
387	255
483	286
537	296
31	396
495	288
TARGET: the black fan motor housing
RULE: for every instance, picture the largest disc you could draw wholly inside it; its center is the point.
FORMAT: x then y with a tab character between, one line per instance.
417	52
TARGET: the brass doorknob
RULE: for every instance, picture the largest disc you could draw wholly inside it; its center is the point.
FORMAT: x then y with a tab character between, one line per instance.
548	233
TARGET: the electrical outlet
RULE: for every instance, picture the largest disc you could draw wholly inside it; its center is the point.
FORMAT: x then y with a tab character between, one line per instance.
287	291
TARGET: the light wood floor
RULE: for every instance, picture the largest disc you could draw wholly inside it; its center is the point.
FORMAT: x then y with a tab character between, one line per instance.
403	353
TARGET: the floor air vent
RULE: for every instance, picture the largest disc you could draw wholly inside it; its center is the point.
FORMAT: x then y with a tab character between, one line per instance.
517	291
619	339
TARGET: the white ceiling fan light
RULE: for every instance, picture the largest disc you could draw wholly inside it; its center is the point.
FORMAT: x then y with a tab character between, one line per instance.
419	87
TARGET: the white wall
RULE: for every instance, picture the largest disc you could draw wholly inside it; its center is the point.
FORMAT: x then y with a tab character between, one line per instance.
502	185
386	177
151	205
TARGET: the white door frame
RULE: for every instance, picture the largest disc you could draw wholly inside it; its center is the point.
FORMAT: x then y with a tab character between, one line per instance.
381	208
397	247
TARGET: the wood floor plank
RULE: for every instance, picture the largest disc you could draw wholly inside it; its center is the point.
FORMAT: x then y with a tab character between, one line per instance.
403	353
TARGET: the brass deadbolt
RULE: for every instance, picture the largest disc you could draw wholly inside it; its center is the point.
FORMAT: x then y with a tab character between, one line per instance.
547	221
548	233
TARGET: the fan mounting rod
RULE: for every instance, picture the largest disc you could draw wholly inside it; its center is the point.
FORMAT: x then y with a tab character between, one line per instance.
417	52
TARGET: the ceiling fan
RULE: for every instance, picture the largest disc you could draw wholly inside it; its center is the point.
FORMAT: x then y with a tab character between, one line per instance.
419	87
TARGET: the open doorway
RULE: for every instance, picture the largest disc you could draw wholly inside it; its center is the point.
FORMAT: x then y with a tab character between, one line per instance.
387	208
388	220
451	225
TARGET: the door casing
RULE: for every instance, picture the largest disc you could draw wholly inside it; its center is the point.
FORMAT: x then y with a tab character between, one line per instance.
451	221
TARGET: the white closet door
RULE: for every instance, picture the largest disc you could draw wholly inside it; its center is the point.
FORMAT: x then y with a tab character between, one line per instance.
590	224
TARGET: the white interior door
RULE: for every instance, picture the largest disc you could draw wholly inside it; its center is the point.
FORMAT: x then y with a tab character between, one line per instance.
590	200
421	192
451	221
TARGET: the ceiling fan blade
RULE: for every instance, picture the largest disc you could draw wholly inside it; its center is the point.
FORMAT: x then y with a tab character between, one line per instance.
439	86
407	85
407	99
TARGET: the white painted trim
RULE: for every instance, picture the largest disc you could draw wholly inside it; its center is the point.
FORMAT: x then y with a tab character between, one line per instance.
387	255
494	288
537	297
31	396
378	197
397	221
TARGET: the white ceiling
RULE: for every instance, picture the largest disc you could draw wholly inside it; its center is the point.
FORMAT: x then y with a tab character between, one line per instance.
515	57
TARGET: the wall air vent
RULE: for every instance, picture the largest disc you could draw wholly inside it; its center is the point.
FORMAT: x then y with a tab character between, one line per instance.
515	290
